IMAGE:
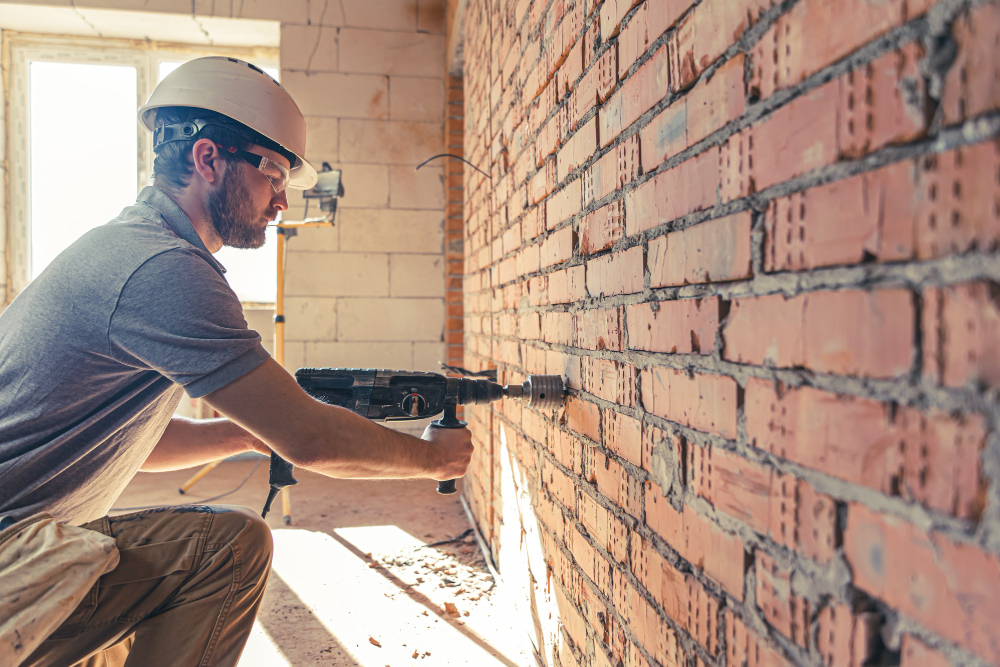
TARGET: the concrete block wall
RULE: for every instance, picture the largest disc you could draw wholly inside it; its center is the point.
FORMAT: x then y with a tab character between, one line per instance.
759	240
370	292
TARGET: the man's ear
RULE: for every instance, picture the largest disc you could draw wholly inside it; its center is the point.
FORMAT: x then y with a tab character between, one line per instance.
208	161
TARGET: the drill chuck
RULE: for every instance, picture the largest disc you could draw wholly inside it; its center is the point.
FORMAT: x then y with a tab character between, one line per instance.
539	391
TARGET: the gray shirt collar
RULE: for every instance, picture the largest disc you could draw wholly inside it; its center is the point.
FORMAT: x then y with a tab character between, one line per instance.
175	219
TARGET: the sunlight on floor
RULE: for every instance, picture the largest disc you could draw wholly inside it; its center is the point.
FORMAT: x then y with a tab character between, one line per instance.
338	577
261	650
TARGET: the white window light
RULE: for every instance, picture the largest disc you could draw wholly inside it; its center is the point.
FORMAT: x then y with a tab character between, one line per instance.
78	154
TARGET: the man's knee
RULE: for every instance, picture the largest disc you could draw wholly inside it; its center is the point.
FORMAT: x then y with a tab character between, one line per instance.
244	530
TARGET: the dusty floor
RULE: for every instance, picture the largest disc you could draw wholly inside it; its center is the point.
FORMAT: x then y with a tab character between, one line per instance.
353	581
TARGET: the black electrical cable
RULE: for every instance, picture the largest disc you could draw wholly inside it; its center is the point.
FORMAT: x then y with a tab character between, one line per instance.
457	157
195	502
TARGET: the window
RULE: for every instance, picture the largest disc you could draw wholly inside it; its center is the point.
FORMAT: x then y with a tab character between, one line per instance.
78	155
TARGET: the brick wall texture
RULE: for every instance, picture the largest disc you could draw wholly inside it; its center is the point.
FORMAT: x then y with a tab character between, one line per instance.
759	240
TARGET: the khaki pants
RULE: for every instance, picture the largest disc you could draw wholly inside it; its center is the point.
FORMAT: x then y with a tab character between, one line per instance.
186	592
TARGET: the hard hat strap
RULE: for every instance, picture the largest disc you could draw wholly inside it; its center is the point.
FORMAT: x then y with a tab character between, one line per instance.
189	131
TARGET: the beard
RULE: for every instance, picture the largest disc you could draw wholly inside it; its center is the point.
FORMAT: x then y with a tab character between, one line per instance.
231	212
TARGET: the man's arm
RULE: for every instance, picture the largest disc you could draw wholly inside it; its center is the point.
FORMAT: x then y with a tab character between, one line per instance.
188	442
331	440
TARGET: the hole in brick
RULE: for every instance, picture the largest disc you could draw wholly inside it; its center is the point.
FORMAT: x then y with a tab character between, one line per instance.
933	192
956	218
956	190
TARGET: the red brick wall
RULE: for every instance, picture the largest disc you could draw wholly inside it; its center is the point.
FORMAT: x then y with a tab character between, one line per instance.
760	242
454	226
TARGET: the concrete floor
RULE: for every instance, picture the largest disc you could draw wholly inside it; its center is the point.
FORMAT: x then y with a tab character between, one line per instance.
352	582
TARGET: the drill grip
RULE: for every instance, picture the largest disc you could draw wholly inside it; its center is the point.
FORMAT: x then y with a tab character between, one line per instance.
279	477
448	420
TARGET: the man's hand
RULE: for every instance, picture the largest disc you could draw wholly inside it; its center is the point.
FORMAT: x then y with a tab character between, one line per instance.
454	445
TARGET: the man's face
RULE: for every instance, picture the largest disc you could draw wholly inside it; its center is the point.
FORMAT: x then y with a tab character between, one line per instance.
245	202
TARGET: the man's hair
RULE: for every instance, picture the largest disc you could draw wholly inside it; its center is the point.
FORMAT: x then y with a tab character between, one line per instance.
172	165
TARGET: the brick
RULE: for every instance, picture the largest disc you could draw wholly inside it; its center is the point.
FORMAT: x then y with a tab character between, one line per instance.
416	275
368	99
558	247
707	108
915	653
949	587
970	86
577	149
796	138
567	286
698	540
601	179
703	402
408	319
844	638
686	188
663	455
703	36
623	436
814	34
649	84
563	205
783	610
415	189
308	47
607	73
961	330
858	219
582	417
686	326
558	484
745	647
958	199
612	13
388	142
815	529
847	332
557	328
618	273
885	102
934	459
712	251
610	380
734	485
613	481
379	52
600	329
600	229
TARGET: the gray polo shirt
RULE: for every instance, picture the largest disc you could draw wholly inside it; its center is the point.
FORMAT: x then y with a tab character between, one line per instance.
96	351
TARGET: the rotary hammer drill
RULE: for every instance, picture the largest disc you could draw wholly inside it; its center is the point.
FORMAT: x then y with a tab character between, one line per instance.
384	395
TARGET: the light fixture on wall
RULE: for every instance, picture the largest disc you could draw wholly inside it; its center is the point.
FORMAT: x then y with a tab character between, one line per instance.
327	189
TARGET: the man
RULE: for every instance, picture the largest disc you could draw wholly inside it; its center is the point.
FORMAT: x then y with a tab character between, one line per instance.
94	355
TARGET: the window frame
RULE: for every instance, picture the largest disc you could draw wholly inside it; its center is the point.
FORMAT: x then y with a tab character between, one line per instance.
19	49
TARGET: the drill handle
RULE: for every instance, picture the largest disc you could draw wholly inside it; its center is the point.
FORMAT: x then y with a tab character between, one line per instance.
280	476
448	420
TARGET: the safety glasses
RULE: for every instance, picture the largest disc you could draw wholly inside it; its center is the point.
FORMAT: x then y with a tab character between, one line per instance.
276	173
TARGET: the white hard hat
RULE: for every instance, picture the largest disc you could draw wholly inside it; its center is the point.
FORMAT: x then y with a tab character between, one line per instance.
240	91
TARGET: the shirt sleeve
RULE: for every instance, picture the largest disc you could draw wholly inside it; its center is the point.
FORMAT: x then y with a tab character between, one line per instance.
178	316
